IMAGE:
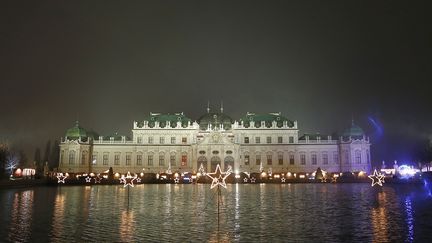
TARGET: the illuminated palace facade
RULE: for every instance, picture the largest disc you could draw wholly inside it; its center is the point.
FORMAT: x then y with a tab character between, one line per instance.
253	143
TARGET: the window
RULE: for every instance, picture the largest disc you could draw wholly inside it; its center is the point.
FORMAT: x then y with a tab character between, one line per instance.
280	159
105	159
117	159
269	159
246	160
172	159
61	157
358	156
71	157
314	159
83	157
161	159
139	139
94	158
325	158
268	139
150	160
184	139
258	159
246	140
150	140
335	157
291	139
367	157
202	152
184	160
257	140
303	159
173	140
291	159
346	157
128	159
139	159
162	140
279	139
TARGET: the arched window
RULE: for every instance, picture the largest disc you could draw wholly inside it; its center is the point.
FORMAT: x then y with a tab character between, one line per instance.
71	157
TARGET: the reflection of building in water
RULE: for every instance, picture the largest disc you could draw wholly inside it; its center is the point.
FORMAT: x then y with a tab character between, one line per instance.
164	140
21	216
380	223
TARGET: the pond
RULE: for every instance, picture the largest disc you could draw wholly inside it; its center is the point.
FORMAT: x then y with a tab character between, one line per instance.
188	212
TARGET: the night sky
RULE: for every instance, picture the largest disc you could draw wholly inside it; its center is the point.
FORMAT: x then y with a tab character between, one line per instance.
108	63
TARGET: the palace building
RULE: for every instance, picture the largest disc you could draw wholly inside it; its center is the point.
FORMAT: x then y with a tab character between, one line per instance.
253	143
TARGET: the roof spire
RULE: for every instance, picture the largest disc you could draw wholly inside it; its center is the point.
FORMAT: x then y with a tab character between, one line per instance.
221	109
208	106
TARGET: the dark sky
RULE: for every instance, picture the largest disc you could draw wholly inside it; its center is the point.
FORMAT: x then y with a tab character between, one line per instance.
108	63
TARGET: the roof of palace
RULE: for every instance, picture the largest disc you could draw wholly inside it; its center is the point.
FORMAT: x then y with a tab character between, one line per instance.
353	131
76	132
268	118
165	119
215	119
316	136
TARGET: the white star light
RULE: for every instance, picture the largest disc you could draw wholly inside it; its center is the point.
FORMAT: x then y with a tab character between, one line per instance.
283	179
218	177
97	179
377	178
128	180
88	179
252	180
138	180
176	180
61	178
245	179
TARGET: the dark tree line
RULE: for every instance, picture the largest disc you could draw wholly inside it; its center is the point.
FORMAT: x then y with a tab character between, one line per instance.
50	157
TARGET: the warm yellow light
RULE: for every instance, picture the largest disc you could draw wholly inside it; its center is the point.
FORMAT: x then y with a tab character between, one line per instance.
176	175
92	174
302	176
276	176
263	174
289	174
116	174
237	176
142	174
198	174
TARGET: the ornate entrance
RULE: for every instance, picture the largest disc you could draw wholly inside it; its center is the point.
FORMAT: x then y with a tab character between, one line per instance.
229	161
215	160
202	160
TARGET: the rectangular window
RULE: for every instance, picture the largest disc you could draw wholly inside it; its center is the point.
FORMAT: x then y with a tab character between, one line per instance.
128	159
269	159
105	159
346	157
246	160
94	158
291	159
184	139
161	160
83	157
358	157
325	158
117	159
303	159
150	160
269	139
150	140
173	160
291	139
162	140
335	158
280	159
314	159
71	157
184	160
246	140
367	157
257	140
279	139
173	140
139	159
139	139
258	159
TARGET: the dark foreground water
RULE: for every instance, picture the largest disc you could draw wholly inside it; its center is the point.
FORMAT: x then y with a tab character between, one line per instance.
248	213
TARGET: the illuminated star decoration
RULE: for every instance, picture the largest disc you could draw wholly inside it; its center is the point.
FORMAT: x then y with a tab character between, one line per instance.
61	178
176	180
88	179
128	180
252	180
138	180
323	179
97	179
334	180
377	178
283	179
218	177
245	179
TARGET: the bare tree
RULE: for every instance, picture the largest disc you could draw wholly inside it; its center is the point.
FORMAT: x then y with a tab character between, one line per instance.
12	161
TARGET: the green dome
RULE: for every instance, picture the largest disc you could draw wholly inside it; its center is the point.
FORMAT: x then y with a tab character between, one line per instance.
76	132
215	119
353	131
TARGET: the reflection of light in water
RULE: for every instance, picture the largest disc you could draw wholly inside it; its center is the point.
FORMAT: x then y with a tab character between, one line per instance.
409	219
237	213
379	220
127	226
58	216
21	216
426	185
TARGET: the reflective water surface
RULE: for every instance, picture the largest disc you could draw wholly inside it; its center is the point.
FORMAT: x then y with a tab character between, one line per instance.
248	213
